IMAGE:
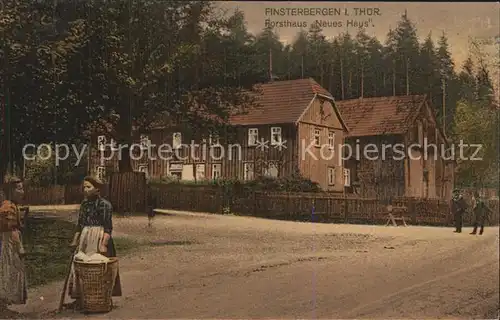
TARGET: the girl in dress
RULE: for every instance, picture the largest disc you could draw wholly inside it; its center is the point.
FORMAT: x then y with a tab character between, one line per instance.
12	272
94	229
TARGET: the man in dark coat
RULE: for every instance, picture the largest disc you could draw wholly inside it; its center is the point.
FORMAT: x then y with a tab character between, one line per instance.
481	213
458	207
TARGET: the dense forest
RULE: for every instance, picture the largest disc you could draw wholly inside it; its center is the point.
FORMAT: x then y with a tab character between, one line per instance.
68	66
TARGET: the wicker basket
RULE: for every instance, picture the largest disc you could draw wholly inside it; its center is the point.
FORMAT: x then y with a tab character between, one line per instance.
96	282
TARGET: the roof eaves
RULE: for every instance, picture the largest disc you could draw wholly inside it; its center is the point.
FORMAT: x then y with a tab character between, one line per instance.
305	109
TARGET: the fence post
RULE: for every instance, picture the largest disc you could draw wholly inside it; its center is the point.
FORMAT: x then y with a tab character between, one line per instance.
312	210
346	213
254	193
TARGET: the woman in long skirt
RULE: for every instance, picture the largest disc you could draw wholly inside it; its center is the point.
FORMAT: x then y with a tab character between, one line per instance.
94	231
12	271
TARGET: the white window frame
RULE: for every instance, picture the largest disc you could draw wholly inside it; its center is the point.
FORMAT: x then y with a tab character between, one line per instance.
253	136
101	142
248	171
214	170
331	139
144	141
176	140
347	177
276	137
267	170
114	145
214	140
144	166
100	172
317	137
331	176
198	166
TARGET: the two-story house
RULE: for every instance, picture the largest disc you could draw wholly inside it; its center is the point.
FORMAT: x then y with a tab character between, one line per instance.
293	126
398	148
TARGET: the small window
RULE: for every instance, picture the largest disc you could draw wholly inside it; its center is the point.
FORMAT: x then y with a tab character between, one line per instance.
144	168
271	170
347	177
331	139
276	138
101	173
253	136
114	145
216	171
144	141
200	171
101	142
248	171
331	176
317	133
214	140
176	140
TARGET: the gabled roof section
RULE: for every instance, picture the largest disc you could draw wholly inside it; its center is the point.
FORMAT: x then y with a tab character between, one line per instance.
280	102
381	115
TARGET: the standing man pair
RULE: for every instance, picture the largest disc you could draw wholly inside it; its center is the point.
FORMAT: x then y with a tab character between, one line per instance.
459	207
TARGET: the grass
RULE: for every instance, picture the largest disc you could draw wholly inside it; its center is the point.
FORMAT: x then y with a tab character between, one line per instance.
47	252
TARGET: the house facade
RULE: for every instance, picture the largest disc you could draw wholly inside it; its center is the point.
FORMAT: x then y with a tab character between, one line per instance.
398	148
294	126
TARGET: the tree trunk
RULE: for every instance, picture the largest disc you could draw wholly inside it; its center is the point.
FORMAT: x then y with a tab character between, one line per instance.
125	133
124	162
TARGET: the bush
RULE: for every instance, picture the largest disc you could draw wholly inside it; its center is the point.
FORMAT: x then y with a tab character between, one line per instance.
294	183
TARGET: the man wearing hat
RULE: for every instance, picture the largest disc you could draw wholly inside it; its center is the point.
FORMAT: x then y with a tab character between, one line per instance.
458	207
94	230
481	212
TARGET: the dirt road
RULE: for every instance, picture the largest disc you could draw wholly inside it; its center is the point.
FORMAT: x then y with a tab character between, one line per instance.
237	267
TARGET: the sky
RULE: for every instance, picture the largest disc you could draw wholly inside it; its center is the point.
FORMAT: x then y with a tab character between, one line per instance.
459	21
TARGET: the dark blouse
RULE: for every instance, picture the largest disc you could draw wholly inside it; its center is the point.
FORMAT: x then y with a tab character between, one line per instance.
96	213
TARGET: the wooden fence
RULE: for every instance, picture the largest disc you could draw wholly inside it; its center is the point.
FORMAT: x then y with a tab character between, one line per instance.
299	206
128	191
286	206
57	194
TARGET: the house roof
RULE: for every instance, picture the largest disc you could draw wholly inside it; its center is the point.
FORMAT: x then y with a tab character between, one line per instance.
280	102
381	115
